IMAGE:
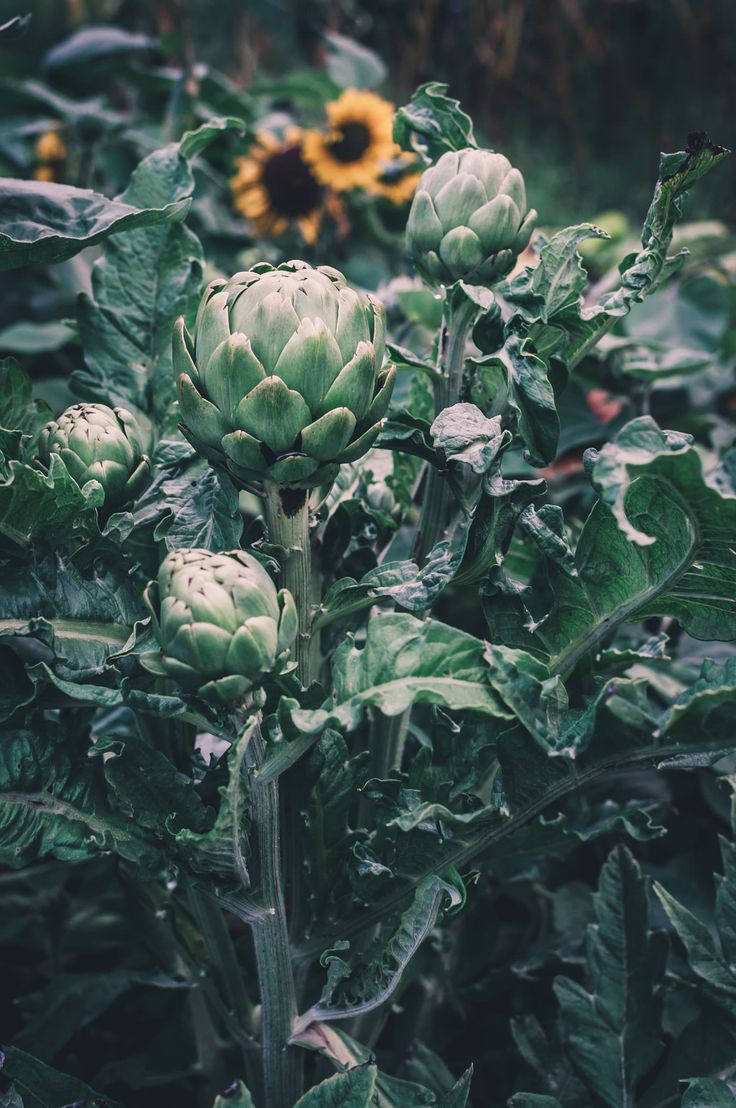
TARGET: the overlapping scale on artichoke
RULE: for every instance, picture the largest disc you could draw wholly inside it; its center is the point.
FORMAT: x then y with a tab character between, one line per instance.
220	622
283	378
102	444
469	218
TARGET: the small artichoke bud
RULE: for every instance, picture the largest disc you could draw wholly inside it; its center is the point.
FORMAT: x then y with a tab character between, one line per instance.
283	378
102	444
469	219
220	622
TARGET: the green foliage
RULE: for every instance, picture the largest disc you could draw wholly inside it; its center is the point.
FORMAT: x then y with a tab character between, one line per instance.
49	223
432	123
126	331
47	1086
396	696
353	1089
613	1023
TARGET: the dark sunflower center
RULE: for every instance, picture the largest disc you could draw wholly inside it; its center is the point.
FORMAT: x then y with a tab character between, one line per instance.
292	190
355	138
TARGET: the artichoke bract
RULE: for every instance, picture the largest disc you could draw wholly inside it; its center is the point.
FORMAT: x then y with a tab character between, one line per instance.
469	219
283	378
220	623
102	444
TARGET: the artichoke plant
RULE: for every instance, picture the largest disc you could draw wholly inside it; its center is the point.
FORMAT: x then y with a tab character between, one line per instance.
469	219
102	444
220	623
283	378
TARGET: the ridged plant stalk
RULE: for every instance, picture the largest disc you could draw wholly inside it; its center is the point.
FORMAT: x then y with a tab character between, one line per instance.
287	522
282	1064
456	324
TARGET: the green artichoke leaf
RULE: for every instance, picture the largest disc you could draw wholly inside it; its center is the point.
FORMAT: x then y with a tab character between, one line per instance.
404	660
614	1021
549	297
658	542
432	123
144	281
45	222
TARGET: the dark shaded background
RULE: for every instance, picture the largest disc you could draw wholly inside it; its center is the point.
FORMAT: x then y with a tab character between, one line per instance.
581	93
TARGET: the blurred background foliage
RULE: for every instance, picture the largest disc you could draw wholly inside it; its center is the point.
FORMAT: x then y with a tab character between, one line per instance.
581	95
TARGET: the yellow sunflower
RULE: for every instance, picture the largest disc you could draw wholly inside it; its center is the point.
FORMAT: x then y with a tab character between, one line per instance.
274	187
44	173
350	154
396	182
50	147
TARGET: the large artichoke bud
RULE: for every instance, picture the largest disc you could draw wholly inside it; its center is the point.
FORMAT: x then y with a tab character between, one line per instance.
283	379
100	443
219	621
468	220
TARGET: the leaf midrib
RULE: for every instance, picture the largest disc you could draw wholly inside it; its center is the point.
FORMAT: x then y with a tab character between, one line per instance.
112	634
564	663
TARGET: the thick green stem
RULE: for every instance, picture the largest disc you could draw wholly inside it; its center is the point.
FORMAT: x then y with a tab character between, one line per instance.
282	1064
287	520
386	741
210	1055
222	956
448	386
388	738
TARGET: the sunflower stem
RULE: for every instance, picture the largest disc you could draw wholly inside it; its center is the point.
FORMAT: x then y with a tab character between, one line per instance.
282	1064
456	324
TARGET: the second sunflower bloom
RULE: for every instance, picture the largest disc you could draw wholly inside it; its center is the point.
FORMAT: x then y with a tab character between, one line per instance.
352	152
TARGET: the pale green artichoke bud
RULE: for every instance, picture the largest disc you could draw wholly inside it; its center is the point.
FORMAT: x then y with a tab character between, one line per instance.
469	220
283	378
220	623
100	443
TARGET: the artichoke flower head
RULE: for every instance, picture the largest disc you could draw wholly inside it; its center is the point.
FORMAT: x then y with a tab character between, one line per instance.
220	623
283	377
469	220
101	444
